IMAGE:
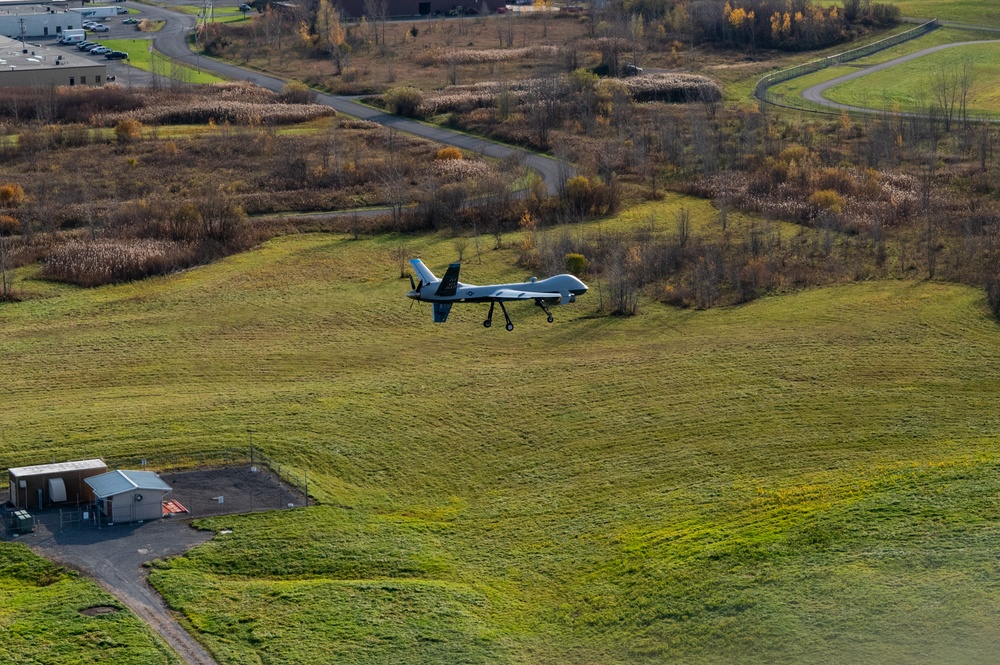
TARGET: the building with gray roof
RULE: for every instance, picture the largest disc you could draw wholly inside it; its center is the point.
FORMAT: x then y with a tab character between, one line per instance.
27	65
129	496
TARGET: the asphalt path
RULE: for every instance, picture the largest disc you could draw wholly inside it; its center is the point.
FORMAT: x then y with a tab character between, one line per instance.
114	556
815	93
171	40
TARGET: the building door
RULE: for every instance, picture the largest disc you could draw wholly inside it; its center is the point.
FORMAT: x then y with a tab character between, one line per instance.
72	81
424	8
45	31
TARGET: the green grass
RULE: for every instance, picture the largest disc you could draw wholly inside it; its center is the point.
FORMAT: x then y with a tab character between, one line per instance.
221	14
807	478
973	12
790	91
139	56
40	620
909	86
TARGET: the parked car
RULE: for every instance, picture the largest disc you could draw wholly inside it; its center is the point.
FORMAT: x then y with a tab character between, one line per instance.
631	69
131	20
121	10
100	28
245	7
502	9
83	45
100	50
116	55
89	25
92	47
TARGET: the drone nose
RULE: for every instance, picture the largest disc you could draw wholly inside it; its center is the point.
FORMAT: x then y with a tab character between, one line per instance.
413	294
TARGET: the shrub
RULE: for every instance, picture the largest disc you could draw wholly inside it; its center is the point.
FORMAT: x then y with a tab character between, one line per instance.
578	194
448	153
128	130
404	100
827	199
296	92
11	195
576	264
9	225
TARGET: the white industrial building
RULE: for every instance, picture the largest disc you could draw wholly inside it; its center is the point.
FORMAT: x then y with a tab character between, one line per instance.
37	20
27	65
129	496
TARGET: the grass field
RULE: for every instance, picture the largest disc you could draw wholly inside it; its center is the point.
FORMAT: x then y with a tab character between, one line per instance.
909	86
973	12
40	619
220	14
141	57
807	478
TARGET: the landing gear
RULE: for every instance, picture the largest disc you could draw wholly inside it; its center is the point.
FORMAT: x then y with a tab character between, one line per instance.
510	325
489	317
545	309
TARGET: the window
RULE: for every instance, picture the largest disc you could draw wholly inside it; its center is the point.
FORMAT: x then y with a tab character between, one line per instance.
58	29
72	81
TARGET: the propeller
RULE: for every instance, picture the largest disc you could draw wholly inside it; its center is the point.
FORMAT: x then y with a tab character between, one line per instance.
415	290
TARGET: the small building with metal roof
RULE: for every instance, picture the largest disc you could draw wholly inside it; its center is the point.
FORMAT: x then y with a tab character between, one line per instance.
129	496
45	485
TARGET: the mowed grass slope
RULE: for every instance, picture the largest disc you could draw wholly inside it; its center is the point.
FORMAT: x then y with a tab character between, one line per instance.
807	478
910	85
40	619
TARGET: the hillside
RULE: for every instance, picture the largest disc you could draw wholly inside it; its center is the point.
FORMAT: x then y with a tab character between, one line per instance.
807	478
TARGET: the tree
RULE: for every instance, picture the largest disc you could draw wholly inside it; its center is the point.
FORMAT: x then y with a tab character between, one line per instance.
399	254
377	12
945	87
330	34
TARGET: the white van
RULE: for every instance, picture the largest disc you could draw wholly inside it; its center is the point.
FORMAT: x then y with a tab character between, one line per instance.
72	36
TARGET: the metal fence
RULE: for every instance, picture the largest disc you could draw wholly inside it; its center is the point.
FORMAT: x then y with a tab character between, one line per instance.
762	90
188	461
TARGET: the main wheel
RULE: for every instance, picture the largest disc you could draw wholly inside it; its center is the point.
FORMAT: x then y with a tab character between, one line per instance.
487	324
510	326
551	319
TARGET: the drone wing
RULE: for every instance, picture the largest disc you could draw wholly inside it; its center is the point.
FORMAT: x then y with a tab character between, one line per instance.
511	294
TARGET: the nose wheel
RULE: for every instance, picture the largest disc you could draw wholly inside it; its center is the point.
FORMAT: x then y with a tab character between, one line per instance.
546	310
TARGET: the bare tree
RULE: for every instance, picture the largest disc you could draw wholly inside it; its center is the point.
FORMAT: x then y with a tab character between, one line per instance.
965	81
399	254
377	12
460	244
945	85
5	276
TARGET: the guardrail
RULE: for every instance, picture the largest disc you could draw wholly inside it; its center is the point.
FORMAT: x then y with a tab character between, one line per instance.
762	89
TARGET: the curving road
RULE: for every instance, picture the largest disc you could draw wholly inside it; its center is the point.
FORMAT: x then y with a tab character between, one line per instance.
815	93
171	40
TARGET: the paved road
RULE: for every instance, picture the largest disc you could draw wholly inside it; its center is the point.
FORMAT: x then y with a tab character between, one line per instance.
171	40
114	557
815	93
